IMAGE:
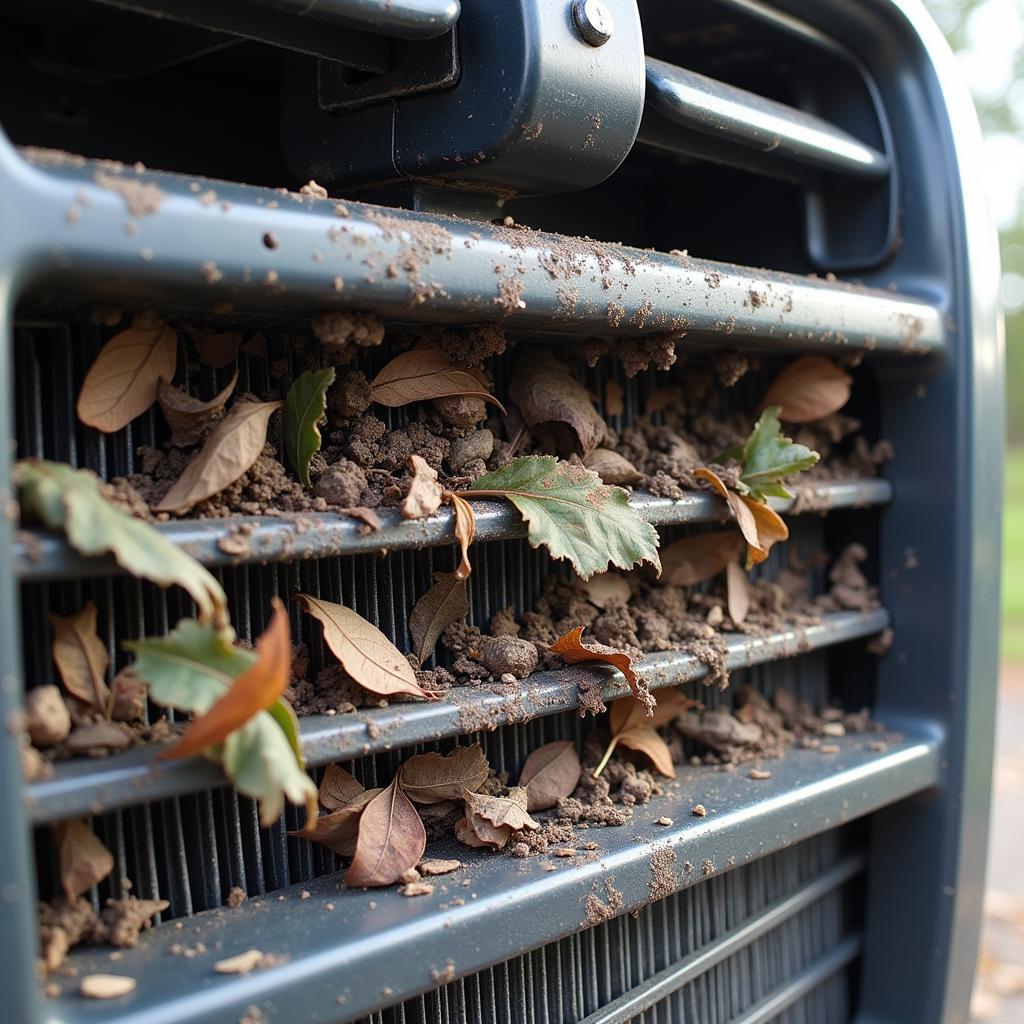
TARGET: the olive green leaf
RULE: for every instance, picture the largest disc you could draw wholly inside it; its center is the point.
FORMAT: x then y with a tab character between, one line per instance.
768	457
69	499
569	510
190	669
304	408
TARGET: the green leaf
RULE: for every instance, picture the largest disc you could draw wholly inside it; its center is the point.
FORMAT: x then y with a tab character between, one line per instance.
304	408
190	670
569	510
69	499
768	457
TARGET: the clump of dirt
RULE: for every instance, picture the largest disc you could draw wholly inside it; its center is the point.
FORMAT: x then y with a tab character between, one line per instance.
637	354
64	925
343	332
472	347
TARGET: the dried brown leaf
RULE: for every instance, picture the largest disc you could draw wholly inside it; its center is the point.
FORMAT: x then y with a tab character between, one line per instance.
759	523
571	648
632	727
338	788
809	389
612	468
424	495
123	381
83	860
81	657
465	529
339	830
432	778
465	834
391	840
695	559
253	691
645	740
365	653
216	350
187	416
500	812
554	404
608	588
444	603
425	373
230	450
551	772
737	592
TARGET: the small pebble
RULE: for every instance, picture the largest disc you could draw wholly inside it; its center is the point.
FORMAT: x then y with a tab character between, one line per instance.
699	811
564	851
304	895
507	678
833	729
417	889
758	773
664	821
436	866
243	963
410	876
106	986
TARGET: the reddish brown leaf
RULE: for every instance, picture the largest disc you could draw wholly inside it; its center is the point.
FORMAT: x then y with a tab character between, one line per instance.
83	860
759	523
187	416
444	603
551	772
695	559
809	389
81	657
339	830
554	404
229	452
631	728
424	495
432	778
365	653
391	840
123	381
216	350
253	691
465	529
571	648
737	592
338	788
425	373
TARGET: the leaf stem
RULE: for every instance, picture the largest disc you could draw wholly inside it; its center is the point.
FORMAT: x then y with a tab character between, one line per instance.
480	494
607	756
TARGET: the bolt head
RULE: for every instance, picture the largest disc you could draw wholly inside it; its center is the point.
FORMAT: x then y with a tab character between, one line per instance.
593	21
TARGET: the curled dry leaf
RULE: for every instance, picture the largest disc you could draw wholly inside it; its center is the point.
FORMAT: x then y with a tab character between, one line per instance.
465	529
632	728
612	468
339	830
424	495
444	603
432	778
123	381
365	653
759	523
229	452
187	416
491	820
83	860
391	840
81	657
216	350
695	559
737	592
255	690
571	648
551	772
554	404
425	373
338	788
809	389
608	588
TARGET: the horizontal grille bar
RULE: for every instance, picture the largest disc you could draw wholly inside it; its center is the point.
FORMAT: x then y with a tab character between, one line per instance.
263	250
331	940
42	556
664	983
80	787
702	117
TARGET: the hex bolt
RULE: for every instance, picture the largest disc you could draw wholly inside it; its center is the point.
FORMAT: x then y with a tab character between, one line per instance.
593	21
